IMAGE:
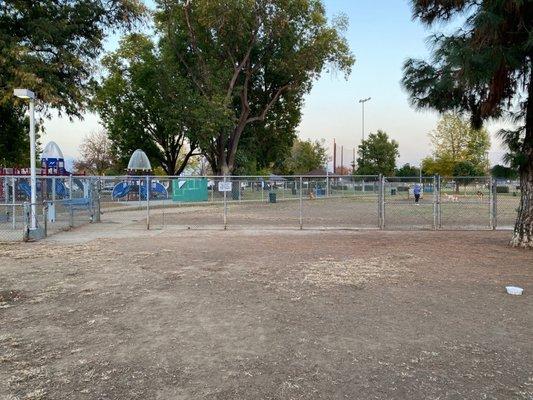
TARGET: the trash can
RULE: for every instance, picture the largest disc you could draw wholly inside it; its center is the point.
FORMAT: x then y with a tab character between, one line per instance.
393	191
272	197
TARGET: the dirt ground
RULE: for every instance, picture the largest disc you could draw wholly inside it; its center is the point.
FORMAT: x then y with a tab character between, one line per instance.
265	315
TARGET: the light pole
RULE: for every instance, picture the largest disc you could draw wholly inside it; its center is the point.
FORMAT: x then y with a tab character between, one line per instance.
28	94
363	101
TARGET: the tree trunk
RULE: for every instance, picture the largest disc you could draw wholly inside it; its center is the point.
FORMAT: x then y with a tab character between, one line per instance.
523	232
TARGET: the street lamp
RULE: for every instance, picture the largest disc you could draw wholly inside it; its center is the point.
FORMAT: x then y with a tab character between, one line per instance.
363	101
28	94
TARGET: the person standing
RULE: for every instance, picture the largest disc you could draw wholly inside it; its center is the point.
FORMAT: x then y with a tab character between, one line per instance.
416	191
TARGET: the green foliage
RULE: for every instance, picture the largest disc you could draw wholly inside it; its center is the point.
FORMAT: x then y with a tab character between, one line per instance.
503	172
144	101
50	47
455	141
467	169
305	156
469	74
377	155
14	138
265	147
407	170
245	57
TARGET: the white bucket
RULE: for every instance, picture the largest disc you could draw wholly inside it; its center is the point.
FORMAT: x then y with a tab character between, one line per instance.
514	290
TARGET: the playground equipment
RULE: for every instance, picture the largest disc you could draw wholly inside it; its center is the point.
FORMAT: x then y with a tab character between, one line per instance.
137	186
55	185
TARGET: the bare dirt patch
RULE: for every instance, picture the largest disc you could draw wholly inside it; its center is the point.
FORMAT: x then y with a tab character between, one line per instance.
266	315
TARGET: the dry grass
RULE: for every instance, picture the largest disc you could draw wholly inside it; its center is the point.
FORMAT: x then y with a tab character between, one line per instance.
356	272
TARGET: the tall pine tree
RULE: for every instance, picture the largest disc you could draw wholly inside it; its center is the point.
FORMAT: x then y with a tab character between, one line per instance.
485	70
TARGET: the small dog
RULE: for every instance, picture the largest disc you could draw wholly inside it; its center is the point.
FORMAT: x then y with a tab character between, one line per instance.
453	198
480	195
312	195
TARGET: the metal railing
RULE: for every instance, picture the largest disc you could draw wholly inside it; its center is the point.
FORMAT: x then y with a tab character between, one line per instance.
261	202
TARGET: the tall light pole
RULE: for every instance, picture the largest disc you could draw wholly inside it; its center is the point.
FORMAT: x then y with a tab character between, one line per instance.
363	101
28	94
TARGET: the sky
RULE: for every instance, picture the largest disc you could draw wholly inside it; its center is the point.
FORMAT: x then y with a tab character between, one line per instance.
381	35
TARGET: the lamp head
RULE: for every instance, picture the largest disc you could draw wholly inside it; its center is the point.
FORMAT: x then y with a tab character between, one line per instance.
24	94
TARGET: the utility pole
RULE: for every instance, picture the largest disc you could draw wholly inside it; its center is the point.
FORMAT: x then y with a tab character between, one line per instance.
342	159
334	157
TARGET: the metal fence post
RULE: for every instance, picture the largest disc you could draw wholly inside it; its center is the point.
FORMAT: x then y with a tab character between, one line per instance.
381	201
45	218
225	204
301	204
13	202
435	203
71	209
494	205
26	224
439	201
147	203
98	199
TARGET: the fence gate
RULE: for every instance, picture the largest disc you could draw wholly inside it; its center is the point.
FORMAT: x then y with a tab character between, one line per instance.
400	211
467	203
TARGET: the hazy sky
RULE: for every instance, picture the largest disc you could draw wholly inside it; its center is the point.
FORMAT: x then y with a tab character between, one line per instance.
381	35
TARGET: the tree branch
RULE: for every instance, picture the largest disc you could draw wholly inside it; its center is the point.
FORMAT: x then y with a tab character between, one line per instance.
262	116
239	67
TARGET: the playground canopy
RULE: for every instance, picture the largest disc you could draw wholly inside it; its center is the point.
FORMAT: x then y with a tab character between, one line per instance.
139	161
52	153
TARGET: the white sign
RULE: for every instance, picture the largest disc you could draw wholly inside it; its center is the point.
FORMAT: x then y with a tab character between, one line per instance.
224	186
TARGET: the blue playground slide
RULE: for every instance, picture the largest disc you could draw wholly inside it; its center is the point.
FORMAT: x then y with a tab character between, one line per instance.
25	188
61	189
157	190
122	190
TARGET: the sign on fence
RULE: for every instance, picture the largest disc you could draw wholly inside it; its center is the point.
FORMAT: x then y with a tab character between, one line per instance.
225	186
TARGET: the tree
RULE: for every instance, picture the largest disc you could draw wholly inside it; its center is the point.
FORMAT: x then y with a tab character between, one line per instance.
466	171
14	138
96	155
247	56
377	155
144	101
408	171
483	70
306	156
50	47
455	141
503	172
265	147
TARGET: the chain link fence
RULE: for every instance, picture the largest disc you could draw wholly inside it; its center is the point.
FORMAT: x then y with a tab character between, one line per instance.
62	203
258	202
